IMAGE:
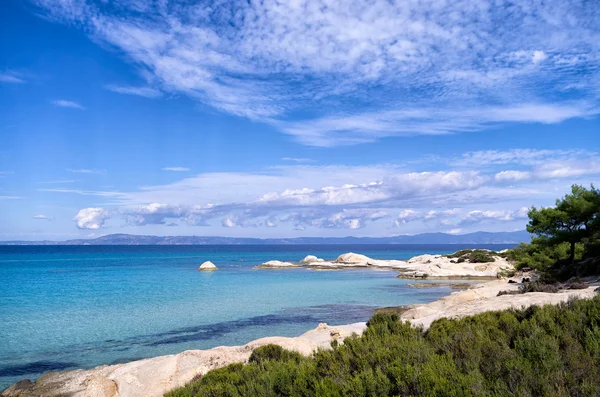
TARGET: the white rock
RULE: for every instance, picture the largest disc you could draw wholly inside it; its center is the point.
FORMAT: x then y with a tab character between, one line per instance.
351	258
311	259
208	266
276	265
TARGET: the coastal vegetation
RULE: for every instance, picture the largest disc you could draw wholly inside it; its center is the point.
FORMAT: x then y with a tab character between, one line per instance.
473	256
566	239
549	351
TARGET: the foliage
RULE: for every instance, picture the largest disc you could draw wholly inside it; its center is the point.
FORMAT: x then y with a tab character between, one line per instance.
473	256
574	219
533	287
542	256
550	351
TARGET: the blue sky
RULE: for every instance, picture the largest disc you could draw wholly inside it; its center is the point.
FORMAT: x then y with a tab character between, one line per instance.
297	118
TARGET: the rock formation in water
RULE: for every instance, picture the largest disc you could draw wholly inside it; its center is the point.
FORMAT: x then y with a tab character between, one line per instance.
208	266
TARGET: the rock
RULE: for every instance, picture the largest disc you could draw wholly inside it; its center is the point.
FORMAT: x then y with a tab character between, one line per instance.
276	265
311	259
208	266
351	258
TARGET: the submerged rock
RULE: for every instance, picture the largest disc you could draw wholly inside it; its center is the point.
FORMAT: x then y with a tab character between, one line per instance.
208	266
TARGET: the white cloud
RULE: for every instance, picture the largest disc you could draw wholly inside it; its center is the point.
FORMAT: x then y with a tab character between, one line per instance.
347	197
43	217
57	181
67	104
146	92
445	68
298	159
538	56
91	218
176	169
368	127
512	175
405	216
10	78
86	171
521	156
479	216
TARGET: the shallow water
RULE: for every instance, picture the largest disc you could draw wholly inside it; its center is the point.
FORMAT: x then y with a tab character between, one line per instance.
64	307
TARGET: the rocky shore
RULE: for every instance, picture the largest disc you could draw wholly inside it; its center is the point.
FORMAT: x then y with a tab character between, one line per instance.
154	376
422	266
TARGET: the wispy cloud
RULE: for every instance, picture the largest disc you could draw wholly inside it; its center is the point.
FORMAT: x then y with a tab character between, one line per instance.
67	104
520	156
176	169
298	159
411	68
146	92
42	217
57	181
86	171
11	78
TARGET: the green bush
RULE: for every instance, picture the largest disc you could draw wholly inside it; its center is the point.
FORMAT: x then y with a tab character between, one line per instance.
549	351
473	256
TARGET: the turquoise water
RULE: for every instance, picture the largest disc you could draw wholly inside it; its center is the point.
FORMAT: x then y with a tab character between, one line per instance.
83	306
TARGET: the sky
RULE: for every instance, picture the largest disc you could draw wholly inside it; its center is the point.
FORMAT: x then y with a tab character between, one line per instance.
293	118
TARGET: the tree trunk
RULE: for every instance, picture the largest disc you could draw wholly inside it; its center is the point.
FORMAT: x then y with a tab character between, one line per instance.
572	253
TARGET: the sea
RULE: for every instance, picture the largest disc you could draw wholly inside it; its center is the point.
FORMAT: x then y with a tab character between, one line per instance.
69	307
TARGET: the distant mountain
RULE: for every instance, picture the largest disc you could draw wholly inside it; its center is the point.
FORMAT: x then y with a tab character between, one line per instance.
425	238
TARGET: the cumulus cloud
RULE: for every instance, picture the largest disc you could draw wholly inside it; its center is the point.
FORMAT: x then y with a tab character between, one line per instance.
67	104
91	218
446	68
352	197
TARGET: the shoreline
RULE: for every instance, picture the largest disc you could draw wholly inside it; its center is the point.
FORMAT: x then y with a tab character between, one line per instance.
155	376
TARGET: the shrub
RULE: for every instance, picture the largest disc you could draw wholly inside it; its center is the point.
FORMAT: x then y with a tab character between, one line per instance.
473	256
549	351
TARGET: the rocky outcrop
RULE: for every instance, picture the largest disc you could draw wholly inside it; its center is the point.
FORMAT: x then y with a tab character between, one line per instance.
208	266
155	376
311	259
484	297
277	265
353	259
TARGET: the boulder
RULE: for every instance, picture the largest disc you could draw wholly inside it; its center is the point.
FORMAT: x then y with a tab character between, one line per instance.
352	258
276	265
208	266
311	259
